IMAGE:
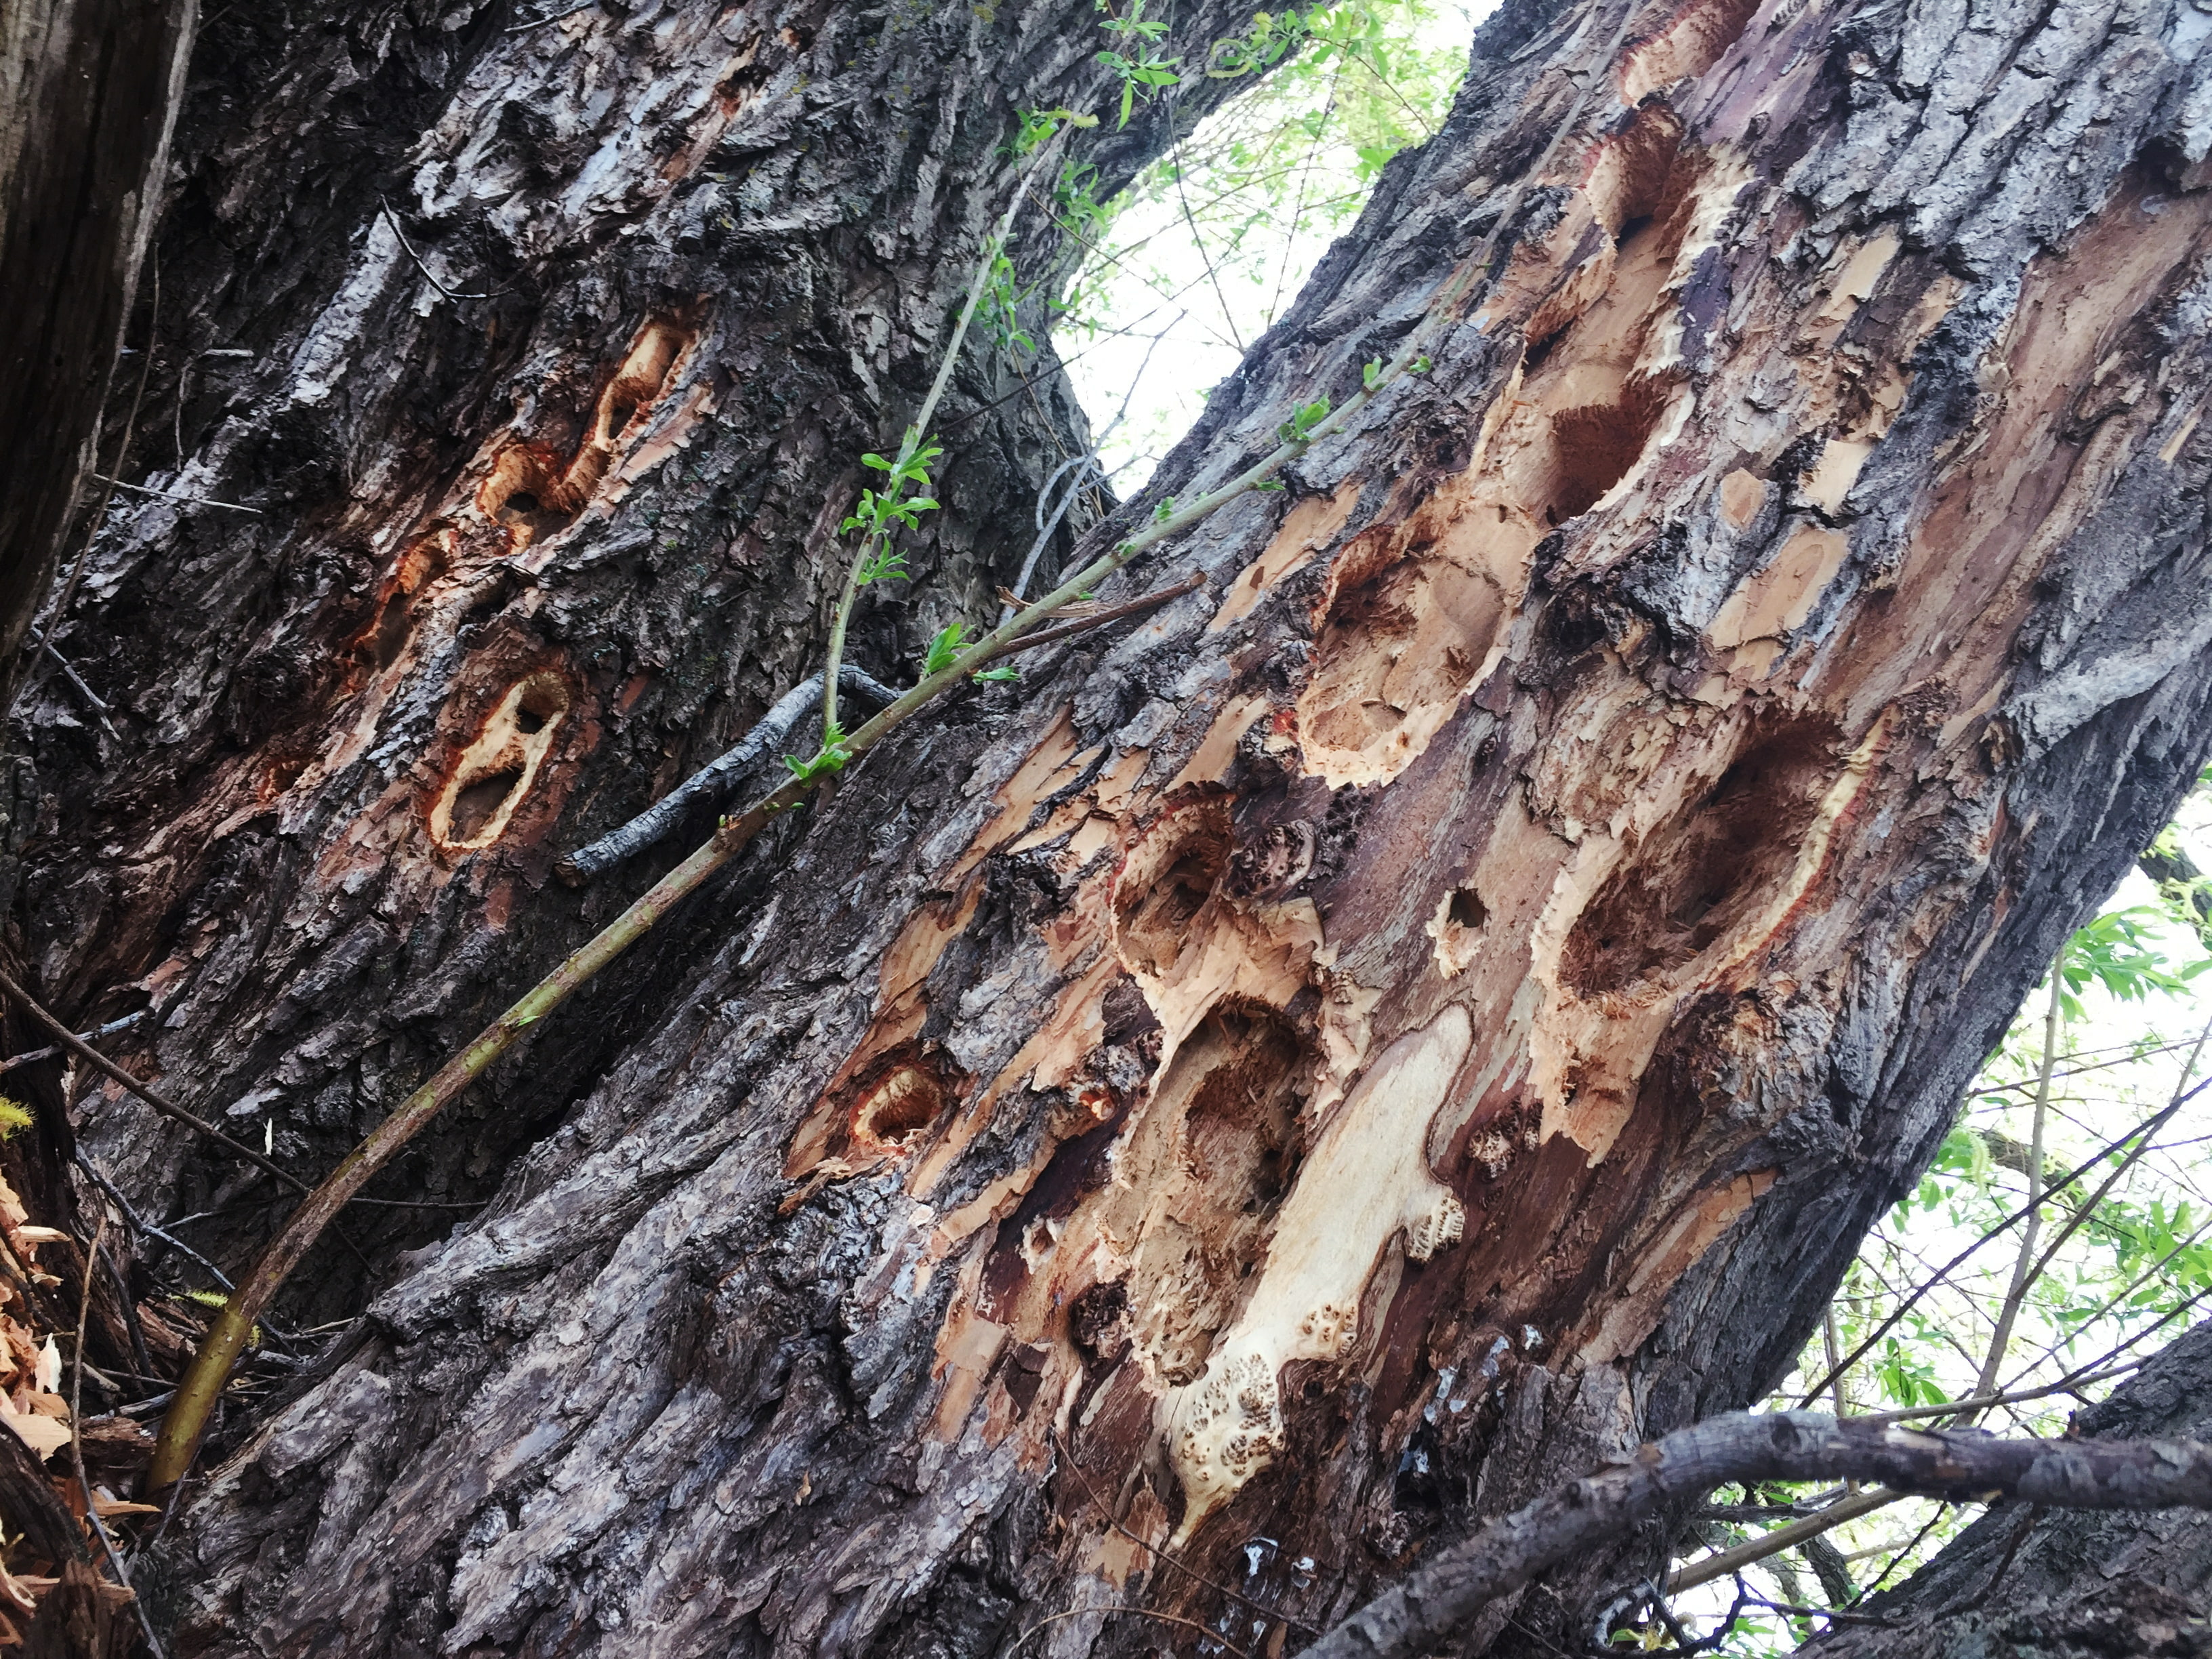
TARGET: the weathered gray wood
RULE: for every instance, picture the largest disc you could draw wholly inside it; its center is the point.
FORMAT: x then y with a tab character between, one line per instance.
1319	1064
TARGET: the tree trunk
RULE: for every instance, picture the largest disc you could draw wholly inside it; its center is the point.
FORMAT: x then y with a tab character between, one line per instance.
87	93
1433	1007
2066	1584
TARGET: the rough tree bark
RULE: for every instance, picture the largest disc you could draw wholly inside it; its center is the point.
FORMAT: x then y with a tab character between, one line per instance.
2056	1584
1438	1004
89	90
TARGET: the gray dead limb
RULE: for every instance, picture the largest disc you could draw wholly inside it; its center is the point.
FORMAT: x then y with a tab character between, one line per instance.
1422	1613
715	780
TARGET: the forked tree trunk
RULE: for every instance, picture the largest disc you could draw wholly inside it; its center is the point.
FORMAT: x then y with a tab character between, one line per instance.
1430	1009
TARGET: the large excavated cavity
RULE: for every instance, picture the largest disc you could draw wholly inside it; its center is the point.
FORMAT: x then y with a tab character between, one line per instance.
533	493
387	636
493	777
890	1109
1634	182
1412	611
1688	43
1167	877
1402	629
1594	447
1216	1151
1712	865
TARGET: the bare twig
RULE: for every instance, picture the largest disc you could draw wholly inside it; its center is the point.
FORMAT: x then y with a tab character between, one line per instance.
84	1051
1424	1612
2021	1528
140	1224
1151	601
1835	1614
1722	1563
100	708
1088	462
1935	1519
2088	1206
76	1445
451	294
2026	1269
1051	1619
1975	1404
1166	1557
53	1048
2150	1126
57	612
555	17
1198	241
177	495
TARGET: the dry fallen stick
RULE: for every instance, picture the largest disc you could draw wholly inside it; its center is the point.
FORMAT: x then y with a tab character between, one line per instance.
767	733
1423	1614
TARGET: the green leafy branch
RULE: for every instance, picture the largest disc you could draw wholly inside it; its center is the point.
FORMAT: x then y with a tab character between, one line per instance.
1142	69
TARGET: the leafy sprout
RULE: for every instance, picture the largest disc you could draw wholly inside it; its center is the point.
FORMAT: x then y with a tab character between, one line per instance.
1299	427
882	510
944	649
830	758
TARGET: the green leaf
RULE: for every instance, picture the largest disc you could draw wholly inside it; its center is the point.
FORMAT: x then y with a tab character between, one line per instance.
1005	670
1299	427
944	650
830	758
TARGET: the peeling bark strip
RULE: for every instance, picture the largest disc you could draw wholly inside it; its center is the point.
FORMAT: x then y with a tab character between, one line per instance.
1437	1602
1425	1012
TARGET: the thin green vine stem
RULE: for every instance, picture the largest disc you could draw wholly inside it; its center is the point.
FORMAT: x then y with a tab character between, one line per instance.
186	1422
917	434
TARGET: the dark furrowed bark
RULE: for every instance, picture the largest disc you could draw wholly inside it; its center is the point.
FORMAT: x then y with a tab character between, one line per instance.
1354	1048
2051	1584
521	559
91	91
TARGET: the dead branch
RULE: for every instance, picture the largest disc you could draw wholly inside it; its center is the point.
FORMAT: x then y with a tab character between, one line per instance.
1423	1614
714	780
84	1051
